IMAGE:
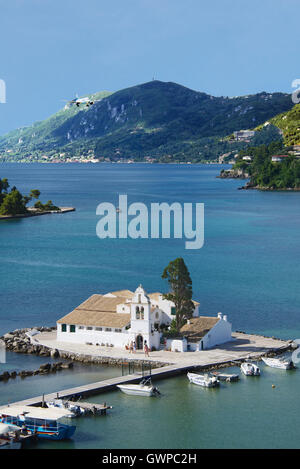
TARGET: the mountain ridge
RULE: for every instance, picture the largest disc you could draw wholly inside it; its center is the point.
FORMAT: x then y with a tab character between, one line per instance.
155	118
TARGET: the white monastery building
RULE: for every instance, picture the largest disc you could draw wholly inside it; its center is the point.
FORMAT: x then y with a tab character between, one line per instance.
118	318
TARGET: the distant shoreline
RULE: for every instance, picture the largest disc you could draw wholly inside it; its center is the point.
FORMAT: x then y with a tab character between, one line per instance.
114	162
269	189
34	213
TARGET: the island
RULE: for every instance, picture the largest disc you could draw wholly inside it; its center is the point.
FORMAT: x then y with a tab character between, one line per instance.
13	204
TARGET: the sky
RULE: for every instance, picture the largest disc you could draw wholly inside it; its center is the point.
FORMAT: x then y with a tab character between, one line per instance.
52	49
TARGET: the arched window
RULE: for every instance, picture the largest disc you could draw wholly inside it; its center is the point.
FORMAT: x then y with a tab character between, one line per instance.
137	312
139	298
142	312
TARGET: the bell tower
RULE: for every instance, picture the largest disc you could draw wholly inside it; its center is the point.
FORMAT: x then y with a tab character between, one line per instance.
140	309
140	305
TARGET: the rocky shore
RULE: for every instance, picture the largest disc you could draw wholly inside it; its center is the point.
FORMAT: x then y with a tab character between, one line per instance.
19	341
32	212
44	369
233	174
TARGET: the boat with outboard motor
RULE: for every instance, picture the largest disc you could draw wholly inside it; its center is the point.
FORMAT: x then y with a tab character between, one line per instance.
144	388
250	369
206	380
283	364
75	410
10	436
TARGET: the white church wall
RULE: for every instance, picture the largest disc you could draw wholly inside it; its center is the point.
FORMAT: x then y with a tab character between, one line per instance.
84	336
219	334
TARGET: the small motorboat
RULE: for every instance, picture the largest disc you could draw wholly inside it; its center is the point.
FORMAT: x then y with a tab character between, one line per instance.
10	436
250	369
207	380
75	409
283	364
144	388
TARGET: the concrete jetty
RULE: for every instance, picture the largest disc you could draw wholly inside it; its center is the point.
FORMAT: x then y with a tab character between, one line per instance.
241	346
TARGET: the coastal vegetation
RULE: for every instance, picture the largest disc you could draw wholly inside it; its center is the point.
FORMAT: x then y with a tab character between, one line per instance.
289	124
180	283
12	202
163	121
283	173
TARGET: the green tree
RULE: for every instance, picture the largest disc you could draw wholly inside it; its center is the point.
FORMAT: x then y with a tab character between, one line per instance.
13	204
180	283
34	194
4	185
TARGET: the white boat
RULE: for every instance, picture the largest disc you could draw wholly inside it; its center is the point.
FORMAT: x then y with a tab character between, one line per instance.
75	410
9	436
206	380
144	388
286	364
250	369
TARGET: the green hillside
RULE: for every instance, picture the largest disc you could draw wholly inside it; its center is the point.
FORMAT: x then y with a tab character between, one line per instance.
289	124
166	121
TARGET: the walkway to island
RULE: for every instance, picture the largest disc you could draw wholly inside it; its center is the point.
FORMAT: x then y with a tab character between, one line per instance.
242	347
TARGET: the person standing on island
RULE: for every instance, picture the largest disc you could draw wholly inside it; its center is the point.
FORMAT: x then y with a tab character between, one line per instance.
146	349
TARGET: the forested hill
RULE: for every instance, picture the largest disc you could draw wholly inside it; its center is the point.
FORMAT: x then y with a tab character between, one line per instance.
156	119
289	123
272	167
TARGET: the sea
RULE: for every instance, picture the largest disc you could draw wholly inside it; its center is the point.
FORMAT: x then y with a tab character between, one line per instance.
248	268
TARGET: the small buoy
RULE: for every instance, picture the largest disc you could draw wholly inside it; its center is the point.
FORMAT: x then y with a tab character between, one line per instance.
273	386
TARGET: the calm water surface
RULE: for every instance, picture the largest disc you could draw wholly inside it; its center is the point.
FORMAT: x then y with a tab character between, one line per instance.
248	268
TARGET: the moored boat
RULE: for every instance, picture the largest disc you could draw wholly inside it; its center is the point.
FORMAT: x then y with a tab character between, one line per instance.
42	422
250	369
144	388
9	436
75	410
207	380
283	364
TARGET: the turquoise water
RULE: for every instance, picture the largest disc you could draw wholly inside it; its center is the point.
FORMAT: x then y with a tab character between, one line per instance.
245	414
248	268
17	389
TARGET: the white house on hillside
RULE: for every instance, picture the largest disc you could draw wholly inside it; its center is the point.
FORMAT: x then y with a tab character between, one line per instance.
121	317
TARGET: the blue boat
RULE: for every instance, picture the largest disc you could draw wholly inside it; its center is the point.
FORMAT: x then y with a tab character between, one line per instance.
42	422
